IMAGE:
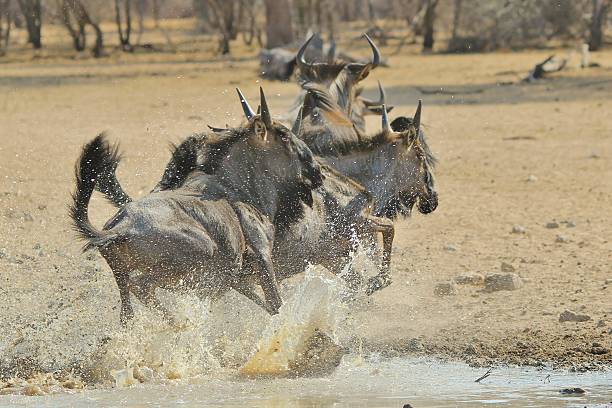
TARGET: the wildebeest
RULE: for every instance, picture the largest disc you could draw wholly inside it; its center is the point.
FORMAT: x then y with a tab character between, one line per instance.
207	239
395	165
333	223
340	78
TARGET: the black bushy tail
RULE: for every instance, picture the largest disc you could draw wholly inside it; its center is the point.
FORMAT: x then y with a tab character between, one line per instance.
97	157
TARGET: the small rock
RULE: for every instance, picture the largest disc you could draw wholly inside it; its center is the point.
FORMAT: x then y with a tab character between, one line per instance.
502	281
562	239
552	225
143	374
445	289
33	390
601	323
570	224
599	351
569	316
608	281
414	345
570	391
450	248
3	253
469	279
518	229
506	267
532	178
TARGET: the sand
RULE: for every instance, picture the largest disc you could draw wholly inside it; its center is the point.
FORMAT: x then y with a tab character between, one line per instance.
516	156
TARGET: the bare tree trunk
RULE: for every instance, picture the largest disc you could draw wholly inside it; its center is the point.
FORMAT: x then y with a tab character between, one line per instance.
32	13
279	29
141	6
124	35
5	25
428	24
74	11
456	17
598	19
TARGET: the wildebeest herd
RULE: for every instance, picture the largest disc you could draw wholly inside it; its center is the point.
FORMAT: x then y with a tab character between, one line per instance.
255	204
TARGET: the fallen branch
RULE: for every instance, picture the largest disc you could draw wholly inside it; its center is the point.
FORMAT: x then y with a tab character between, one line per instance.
488	373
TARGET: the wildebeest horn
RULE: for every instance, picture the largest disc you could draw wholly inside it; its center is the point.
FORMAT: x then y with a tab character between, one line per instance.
297	125
416	120
381	99
301	61
216	129
375	51
248	112
265	111
385	119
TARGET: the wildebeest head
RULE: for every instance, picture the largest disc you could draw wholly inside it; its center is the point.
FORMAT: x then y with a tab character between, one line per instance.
288	157
362	107
320	72
410	165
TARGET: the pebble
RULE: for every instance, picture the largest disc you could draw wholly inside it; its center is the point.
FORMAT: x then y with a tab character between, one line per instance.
601	323
469	279
33	390
599	351
552	225
569	391
569	316
415	345
445	289
570	224
506	267
518	229
532	178
450	248
502	281
562	239
608	281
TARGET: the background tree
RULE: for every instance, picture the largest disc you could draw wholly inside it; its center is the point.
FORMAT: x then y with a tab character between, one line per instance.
279	30
5	25
428	24
124	33
75	18
598	20
32	14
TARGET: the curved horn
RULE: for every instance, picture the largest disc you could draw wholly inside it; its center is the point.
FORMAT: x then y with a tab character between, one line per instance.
297	125
248	112
331	53
375	51
301	61
381	99
265	111
416	119
385	120
216	129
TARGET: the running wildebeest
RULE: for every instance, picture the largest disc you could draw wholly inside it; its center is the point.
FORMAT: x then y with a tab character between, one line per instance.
340	78
333	223
395	165
208	239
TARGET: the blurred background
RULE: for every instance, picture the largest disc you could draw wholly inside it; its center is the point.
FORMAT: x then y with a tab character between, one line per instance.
67	28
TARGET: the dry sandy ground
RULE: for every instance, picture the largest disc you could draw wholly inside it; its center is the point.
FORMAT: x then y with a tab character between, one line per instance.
490	140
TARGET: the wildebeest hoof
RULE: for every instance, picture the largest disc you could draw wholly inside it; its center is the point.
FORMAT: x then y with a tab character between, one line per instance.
377	282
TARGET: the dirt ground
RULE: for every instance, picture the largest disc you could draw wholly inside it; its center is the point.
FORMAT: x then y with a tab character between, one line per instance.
511	157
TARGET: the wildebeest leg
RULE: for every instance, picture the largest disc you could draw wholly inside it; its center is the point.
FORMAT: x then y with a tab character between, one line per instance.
122	277
146	294
385	227
247	289
259	234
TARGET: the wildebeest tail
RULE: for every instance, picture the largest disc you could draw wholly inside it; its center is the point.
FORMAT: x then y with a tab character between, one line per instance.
96	157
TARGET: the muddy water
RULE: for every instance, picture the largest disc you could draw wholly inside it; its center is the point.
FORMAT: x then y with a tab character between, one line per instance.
356	383
227	354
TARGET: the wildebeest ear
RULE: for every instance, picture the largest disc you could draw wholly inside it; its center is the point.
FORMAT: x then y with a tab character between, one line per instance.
260	129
